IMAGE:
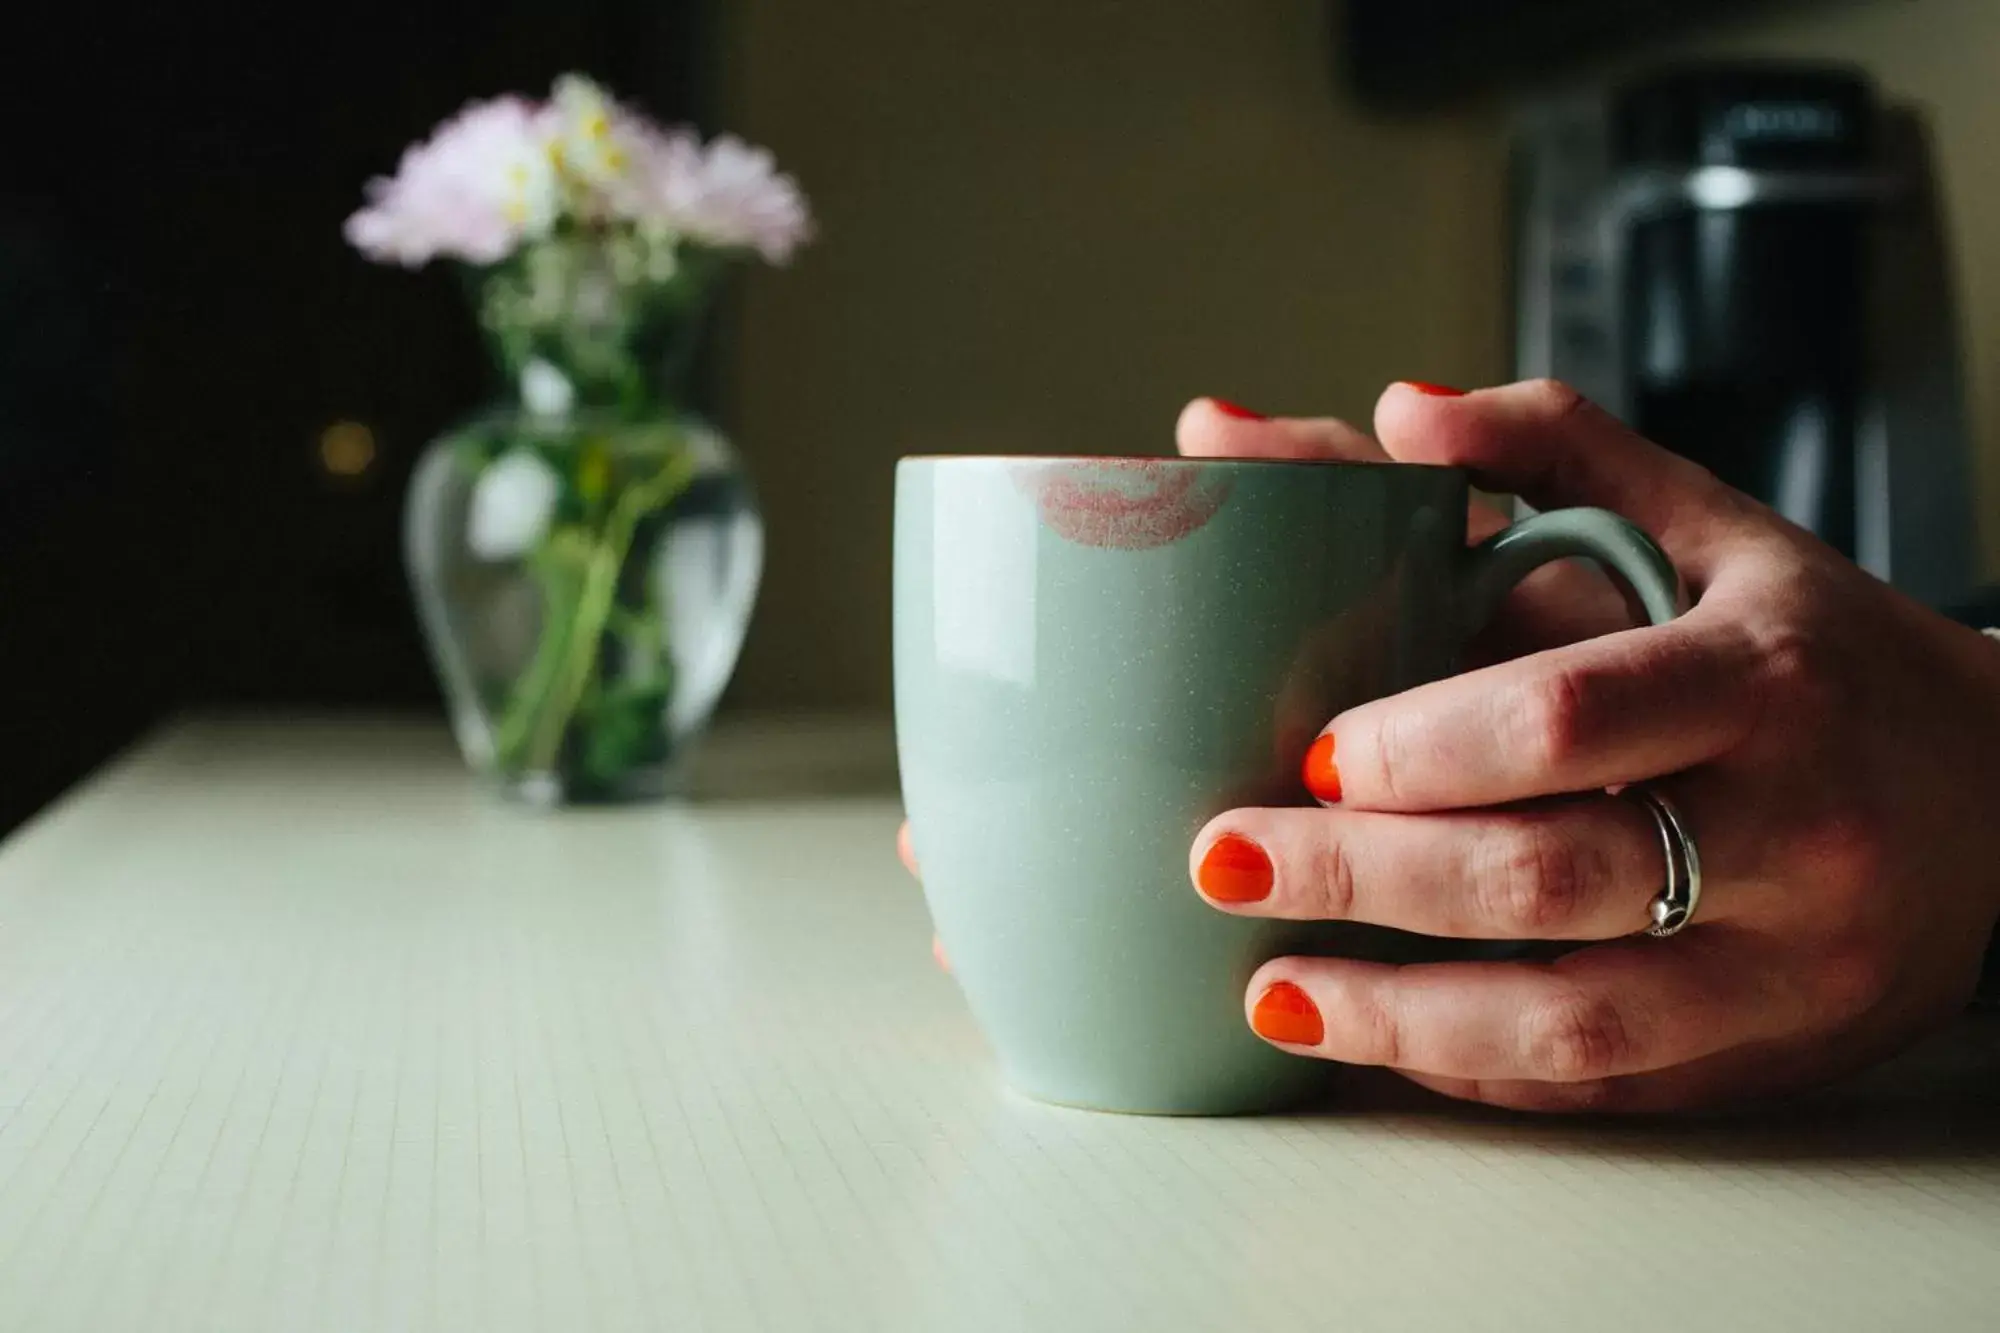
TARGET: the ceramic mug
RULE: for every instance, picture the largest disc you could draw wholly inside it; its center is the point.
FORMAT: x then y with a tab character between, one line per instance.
1093	657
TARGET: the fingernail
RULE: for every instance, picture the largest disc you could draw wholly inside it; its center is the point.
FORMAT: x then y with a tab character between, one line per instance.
1321	775
1234	870
1229	409
1435	390
939	956
1287	1014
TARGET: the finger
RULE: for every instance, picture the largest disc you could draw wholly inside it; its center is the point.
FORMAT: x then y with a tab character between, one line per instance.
907	854
1606	1011
1610	710
1803	1060
1575	870
1553	447
1559	604
1209	429
1746	1073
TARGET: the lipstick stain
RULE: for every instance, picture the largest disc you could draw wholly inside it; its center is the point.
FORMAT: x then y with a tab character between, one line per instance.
1124	504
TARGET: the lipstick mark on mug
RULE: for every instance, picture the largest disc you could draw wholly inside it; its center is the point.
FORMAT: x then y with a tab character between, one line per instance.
1125	504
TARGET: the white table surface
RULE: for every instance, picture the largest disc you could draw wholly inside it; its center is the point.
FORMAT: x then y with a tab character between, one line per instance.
299	1031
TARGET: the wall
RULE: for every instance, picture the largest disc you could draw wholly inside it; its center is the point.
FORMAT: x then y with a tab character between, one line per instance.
1049	223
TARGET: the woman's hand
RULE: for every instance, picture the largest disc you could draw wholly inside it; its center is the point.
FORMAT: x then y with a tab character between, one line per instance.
907	854
1834	747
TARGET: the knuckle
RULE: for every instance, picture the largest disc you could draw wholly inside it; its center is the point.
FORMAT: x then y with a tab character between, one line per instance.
1577	1038
1333	880
1554	398
1390	746
1535	883
1791	659
1800	665
1550	716
1378	1034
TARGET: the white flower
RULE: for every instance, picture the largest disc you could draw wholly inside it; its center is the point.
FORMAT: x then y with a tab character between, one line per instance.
474	190
545	391
581	119
729	194
596	144
609	156
511	505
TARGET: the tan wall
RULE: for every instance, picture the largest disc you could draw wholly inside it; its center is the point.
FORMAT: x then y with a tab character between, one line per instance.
1049	223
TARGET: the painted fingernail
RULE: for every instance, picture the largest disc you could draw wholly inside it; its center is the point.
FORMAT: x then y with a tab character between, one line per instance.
939	956
1322	775
1234	870
1435	390
1287	1014
1229	409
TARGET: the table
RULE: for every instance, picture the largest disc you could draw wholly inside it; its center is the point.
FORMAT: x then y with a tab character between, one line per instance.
298	1030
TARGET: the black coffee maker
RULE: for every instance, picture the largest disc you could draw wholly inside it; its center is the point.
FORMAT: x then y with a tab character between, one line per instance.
1746	262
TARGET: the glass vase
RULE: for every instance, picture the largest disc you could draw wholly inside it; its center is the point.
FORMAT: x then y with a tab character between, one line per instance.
584	585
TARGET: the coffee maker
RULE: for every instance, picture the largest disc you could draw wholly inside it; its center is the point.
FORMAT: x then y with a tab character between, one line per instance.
1746	262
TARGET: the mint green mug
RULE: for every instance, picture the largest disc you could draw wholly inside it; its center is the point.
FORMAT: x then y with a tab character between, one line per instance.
1094	657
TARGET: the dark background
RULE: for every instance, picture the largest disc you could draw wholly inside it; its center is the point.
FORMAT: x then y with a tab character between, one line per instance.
180	320
1418	54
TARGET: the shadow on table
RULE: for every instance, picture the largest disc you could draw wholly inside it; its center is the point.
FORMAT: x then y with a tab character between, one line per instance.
1939	1102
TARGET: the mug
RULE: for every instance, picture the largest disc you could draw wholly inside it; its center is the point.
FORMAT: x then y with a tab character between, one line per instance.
1093	657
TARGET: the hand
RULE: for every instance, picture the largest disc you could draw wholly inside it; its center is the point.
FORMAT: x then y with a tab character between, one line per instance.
907	854
1834	747
1557	604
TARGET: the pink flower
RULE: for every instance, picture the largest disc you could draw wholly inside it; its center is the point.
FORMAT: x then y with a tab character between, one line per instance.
473	191
729	194
505	172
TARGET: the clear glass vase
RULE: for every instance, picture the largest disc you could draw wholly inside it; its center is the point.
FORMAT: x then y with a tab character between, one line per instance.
584	584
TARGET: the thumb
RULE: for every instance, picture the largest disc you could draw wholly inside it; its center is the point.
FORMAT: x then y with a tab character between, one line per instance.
1548	444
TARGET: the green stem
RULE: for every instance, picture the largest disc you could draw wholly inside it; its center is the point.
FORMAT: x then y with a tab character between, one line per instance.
525	701
594	605
600	585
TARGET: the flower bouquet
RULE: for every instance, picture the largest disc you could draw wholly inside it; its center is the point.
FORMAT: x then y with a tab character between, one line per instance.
585	552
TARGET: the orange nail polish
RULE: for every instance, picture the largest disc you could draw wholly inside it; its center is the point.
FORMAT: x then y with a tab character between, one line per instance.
1234	870
1287	1014
1435	390
1321	775
1230	409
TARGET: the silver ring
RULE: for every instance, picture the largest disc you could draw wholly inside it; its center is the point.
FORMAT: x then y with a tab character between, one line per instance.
1674	906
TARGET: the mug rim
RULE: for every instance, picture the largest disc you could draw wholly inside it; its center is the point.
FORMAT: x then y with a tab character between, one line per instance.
1178	460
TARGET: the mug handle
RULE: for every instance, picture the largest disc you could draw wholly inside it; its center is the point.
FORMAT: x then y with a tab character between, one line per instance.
1493	567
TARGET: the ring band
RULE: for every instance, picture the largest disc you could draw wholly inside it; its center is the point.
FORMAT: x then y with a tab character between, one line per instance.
1674	906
